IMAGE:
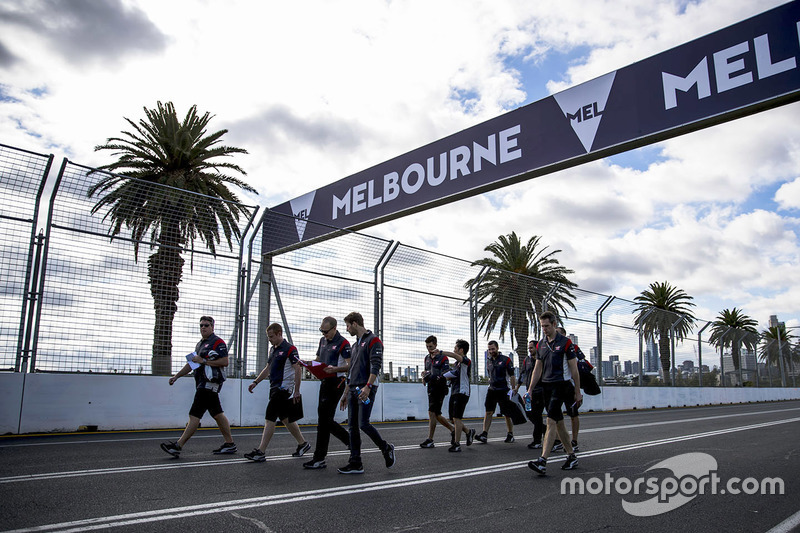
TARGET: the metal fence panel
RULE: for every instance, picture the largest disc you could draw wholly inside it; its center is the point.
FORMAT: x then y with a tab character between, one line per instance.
97	310
22	178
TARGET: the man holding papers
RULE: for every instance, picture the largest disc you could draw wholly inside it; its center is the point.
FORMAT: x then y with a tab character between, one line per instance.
208	362
333	360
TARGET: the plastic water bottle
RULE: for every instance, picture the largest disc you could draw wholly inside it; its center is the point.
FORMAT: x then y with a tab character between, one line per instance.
528	406
365	402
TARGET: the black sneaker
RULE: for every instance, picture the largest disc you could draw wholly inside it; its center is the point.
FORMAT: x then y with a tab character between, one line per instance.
534	445
313	464
509	438
575	446
228	447
483	437
427	443
171	448
351	468
470	437
558	446
301	449
454	448
388	455
540	465
570	463
256	455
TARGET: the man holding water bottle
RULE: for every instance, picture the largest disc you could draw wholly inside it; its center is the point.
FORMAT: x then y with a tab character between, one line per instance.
359	395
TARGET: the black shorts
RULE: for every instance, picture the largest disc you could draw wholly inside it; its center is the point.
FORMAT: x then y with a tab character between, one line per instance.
497	396
457	405
280	406
205	400
436	394
556	395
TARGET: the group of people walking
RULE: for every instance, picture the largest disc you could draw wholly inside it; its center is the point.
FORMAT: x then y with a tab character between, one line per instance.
349	379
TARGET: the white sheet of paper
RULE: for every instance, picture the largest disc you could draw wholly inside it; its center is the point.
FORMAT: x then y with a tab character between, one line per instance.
192	364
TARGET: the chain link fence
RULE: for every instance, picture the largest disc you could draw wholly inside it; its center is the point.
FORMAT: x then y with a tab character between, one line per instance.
81	298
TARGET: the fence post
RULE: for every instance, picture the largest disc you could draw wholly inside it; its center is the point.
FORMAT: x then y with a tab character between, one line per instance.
473	320
380	266
641	347
599	330
32	265
700	354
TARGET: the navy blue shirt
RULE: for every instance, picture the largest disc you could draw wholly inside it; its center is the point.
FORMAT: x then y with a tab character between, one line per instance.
499	369
334	352
281	362
554	356
436	367
210	349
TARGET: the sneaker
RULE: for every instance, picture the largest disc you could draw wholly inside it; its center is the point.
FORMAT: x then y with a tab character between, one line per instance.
427	443
454	448
388	455
483	437
313	464
171	448
558	446
256	455
534	445
509	438
228	447
301	449
540	465
575	446
470	437
351	468
570	463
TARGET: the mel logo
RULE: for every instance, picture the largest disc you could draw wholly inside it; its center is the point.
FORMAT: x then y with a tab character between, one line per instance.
584	105
301	209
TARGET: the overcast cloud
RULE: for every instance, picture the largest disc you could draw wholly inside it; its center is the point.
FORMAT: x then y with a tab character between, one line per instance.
319	90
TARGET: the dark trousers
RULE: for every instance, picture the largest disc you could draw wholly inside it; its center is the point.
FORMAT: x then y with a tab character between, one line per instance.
535	415
330	392
359	420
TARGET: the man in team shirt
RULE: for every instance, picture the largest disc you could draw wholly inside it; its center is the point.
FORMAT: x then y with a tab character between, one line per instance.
436	366
459	376
557	367
500	369
334	351
284	392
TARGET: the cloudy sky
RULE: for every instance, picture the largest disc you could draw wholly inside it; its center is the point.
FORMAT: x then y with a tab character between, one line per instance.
318	90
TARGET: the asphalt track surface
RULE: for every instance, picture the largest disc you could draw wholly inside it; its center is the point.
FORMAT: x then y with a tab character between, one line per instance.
123	481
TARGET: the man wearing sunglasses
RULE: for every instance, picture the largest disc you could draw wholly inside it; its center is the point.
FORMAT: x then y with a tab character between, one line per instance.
334	351
211	354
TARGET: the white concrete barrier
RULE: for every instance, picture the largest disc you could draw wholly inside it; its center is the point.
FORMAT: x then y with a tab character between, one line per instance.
34	403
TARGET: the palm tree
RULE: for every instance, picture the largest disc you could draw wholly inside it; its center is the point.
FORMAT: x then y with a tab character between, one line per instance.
513	290
733	328
178	195
660	308
770	352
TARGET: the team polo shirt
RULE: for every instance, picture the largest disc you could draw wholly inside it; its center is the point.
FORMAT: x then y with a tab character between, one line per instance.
436	366
334	352
210	349
499	369
459	384
282	359
526	372
554	357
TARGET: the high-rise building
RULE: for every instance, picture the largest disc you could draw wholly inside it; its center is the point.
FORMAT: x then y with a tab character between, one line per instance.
593	357
573	338
651	358
628	367
635	368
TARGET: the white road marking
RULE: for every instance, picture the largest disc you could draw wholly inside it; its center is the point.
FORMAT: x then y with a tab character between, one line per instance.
237	505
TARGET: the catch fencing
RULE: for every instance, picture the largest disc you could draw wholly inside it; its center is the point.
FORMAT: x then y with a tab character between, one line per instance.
78	297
